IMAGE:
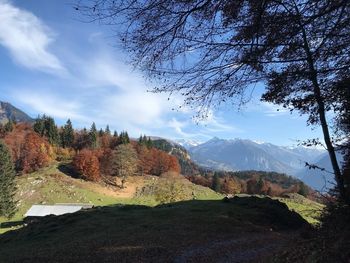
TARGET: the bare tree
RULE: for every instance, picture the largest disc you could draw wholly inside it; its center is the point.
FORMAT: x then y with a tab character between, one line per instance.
216	51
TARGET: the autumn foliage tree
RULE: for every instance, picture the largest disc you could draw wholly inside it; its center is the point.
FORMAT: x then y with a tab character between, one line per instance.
87	164
30	151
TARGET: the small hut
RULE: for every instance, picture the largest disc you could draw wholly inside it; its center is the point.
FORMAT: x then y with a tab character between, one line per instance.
38	211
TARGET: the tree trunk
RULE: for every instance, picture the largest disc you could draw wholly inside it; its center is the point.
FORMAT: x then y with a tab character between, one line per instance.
322	116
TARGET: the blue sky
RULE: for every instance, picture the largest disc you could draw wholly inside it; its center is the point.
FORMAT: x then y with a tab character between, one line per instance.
53	63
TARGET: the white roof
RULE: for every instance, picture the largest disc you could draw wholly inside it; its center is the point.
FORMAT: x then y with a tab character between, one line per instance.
44	210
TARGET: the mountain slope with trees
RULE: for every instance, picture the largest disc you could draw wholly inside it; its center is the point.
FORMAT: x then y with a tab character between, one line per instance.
10	113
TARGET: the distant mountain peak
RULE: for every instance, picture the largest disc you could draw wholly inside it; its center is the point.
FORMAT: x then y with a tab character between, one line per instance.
187	143
10	112
244	154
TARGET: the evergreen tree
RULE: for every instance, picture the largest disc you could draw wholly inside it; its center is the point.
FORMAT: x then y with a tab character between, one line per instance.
46	127
259	185
67	135
115	134
108	131
216	185
39	125
142	140
93	136
303	189
9	126
149	143
124	138
7	183
51	131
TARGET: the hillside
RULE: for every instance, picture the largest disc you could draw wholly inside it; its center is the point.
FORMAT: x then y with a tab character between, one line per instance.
188	166
130	224
9	112
190	231
51	185
320	180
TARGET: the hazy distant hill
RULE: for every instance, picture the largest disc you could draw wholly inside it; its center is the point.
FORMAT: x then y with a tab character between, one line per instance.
293	157
317	179
241	154
9	112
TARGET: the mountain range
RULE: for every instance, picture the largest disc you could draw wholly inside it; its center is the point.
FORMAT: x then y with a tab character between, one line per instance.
9	112
242	154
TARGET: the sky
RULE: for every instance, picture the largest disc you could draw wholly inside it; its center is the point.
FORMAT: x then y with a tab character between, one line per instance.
54	63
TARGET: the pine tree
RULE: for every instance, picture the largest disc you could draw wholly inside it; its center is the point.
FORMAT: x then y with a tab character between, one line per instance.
124	138
149	143
260	185
115	134
51	131
39	125
142	140
93	136
7	183
67	135
216	185
46	127
108	131
9	126
303	189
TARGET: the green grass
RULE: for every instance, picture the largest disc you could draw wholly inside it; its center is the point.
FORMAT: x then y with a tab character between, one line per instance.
308	209
141	233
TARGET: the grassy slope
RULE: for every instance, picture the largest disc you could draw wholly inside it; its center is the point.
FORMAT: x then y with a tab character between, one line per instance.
50	186
308	209
128	231
159	234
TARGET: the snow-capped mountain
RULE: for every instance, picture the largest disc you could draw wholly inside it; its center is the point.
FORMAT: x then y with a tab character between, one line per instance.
239	154
187	143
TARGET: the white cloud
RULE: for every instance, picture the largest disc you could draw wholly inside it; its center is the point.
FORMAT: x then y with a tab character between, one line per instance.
214	124
51	105
179	126
175	124
266	108
27	39
273	110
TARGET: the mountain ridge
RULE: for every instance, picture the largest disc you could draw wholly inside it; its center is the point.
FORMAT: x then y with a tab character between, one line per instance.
10	112
242	154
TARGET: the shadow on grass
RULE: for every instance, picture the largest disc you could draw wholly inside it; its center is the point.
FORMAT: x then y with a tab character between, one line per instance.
68	169
114	231
11	224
